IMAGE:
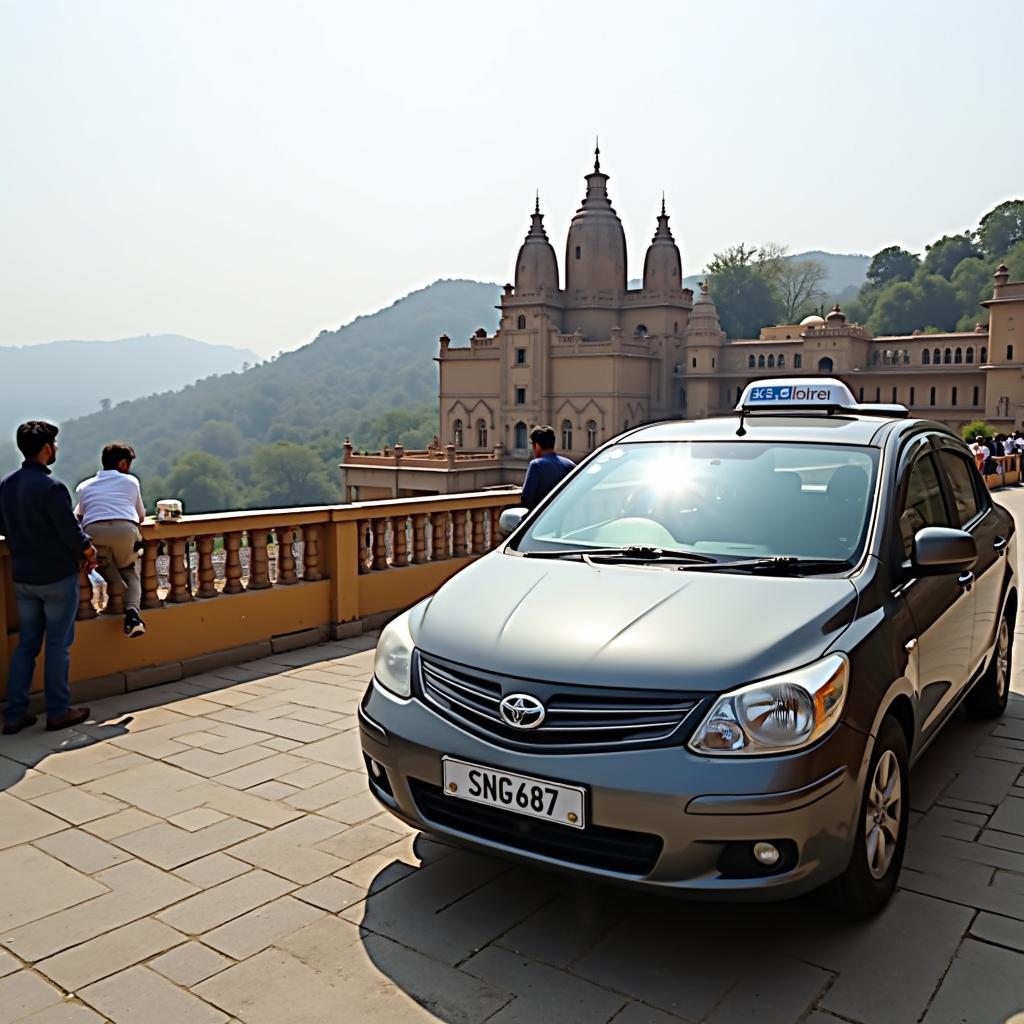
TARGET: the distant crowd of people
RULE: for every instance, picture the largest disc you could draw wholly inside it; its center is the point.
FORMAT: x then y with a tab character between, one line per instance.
987	450
50	541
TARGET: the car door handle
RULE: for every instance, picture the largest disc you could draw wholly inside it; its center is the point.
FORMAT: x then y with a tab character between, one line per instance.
1000	544
966	580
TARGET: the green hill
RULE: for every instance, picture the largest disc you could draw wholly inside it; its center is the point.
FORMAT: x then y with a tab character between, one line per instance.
272	435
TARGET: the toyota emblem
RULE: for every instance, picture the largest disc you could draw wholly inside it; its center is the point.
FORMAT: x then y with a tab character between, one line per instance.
521	711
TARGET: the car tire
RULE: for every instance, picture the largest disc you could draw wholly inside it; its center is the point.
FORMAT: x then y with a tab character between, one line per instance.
990	693
864	888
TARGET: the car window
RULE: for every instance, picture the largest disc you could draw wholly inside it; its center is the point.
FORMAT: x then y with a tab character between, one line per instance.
923	505
729	499
961	478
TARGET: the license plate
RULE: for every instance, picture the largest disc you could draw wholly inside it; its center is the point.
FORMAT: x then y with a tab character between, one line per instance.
522	794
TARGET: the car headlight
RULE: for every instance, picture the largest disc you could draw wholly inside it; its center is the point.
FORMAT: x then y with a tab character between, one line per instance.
392	663
776	715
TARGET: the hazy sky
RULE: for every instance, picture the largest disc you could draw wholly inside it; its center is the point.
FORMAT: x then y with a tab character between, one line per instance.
251	173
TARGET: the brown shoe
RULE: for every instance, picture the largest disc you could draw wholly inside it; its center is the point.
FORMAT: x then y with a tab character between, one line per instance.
10	728
73	716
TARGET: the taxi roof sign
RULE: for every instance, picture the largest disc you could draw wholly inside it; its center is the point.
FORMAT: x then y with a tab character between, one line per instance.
825	393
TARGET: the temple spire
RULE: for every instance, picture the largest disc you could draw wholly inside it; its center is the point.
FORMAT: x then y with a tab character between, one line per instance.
663	203
597	154
536	205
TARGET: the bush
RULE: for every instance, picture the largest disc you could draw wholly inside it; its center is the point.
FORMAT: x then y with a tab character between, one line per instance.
972	430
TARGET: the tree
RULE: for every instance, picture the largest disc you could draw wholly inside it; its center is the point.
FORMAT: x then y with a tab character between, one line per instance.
735	256
746	300
203	483
286	474
943	257
892	264
220	438
798	286
906	306
972	282
1002	228
977	428
105	404
1015	262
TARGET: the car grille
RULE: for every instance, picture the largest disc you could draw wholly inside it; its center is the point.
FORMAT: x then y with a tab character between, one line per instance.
577	718
606	849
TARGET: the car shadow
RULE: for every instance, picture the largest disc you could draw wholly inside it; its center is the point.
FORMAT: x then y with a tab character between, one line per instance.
465	933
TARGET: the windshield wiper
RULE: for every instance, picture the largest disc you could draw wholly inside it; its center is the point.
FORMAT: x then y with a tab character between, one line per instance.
638	553
781	565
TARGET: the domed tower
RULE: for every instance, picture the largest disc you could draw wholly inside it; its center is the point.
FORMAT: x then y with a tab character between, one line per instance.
704	327
595	252
536	264
704	340
663	266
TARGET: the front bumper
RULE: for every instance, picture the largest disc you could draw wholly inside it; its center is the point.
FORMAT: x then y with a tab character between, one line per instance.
695	816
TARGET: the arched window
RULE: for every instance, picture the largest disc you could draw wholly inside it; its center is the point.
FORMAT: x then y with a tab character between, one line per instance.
825	365
781	361
481	433
970	354
874	358
641	331
931	397
751	362
566	436
577	252
947	356
953	397
958	356
521	322
984	354
975	396
860	395
894	398
591	435
771	362
797	361
911	402
906	357
878	395
457	433
1009	352
926	357
760	362
521	435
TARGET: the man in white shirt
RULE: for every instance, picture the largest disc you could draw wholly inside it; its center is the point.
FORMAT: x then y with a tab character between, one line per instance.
110	508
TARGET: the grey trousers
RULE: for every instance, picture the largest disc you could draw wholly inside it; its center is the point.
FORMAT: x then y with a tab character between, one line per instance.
115	541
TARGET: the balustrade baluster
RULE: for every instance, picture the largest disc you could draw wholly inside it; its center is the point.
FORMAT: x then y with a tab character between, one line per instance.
380	550
285	556
180	572
311	554
419	538
363	527
459	533
207	577
150	579
232	563
399	541
86	609
259	567
115	603
479	534
439	536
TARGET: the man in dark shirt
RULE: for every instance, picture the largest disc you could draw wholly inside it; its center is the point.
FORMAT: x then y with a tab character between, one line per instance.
47	548
546	468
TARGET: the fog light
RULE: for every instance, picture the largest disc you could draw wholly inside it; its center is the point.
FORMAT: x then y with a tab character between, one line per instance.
766	853
375	771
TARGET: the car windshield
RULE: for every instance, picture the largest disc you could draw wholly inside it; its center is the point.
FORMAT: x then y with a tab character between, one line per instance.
727	499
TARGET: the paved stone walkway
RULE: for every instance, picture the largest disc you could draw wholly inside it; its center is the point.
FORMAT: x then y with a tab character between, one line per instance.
209	853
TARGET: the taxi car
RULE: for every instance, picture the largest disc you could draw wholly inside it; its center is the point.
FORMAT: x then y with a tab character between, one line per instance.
706	662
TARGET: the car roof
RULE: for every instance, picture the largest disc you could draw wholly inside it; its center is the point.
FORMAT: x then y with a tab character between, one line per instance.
807	427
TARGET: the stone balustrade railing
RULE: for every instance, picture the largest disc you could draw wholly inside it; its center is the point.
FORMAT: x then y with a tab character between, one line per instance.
231	586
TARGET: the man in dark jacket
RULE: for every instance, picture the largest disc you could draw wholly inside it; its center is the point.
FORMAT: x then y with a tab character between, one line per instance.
546	468
47	548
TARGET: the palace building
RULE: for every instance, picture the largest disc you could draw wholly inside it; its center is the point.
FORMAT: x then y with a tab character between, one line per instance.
592	357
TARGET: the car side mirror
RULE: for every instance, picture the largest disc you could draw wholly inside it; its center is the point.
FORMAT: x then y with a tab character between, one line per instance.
939	550
509	520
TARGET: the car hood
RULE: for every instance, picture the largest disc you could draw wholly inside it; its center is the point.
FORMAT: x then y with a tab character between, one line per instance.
566	621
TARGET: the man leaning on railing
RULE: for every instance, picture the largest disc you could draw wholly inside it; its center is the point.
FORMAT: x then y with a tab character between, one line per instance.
48	546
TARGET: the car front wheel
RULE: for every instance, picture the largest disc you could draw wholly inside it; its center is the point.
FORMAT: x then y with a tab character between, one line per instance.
870	877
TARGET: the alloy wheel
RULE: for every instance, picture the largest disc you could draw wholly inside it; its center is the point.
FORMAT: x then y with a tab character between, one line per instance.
1002	659
884	814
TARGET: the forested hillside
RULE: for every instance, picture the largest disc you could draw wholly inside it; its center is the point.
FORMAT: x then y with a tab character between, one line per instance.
272	435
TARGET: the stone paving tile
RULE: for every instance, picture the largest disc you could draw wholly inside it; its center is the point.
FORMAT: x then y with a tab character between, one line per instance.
139	994
353	809
771	991
244	804
639	1013
167	846
207	763
982	984
64	1013
1009	817
107	954
357	842
79	770
120	824
22	822
24	993
190	963
342	785
77	806
1001	931
261	771
82	851
151	786
331	894
341	751
284	727
212	870
196	818
263	927
273	790
280	744
225	902
26	785
291	850
136	890
36	885
8	964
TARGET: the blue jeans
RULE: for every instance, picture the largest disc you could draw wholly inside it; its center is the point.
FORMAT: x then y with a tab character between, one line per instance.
50	609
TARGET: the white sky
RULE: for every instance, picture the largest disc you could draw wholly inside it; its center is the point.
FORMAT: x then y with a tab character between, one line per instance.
249	173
